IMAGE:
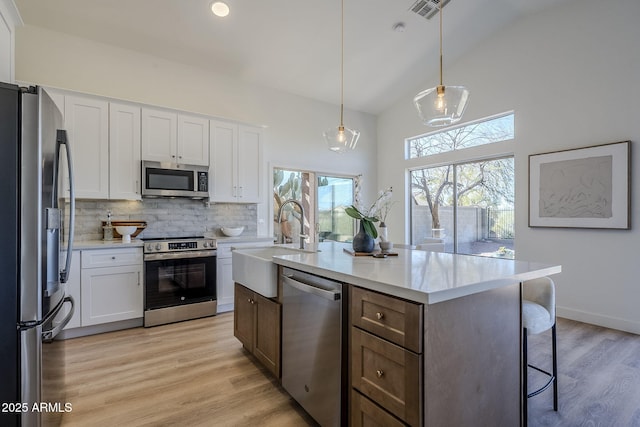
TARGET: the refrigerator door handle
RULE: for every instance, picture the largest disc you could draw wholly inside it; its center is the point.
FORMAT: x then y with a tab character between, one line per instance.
49	334
61	138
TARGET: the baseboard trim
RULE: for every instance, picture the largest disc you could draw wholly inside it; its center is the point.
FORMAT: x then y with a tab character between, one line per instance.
599	320
98	329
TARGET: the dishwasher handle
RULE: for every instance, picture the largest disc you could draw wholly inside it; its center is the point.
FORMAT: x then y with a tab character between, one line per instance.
305	287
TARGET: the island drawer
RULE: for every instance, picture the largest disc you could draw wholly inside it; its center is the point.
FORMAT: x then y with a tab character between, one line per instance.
391	318
365	413
387	374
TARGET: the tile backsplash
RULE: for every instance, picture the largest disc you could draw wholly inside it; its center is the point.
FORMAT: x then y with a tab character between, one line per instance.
165	217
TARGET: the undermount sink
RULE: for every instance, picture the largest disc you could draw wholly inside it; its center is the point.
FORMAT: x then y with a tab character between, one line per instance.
254	268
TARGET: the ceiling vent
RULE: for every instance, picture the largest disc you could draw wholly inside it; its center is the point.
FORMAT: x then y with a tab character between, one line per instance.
427	8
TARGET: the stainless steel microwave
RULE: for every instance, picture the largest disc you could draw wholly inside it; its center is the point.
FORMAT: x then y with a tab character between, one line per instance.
174	180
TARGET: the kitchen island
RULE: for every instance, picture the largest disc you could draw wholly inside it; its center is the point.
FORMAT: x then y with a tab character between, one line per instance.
432	338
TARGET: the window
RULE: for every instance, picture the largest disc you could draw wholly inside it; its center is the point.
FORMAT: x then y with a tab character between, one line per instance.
471	135
469	202
323	198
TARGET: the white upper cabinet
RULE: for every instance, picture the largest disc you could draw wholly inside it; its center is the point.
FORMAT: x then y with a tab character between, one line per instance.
235	162
222	170
124	152
87	124
193	140
249	163
159	135
174	138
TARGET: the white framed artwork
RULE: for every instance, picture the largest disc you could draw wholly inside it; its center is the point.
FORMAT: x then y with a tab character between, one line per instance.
581	188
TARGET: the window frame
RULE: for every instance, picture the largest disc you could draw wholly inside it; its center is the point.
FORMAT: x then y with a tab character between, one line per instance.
485	152
313	233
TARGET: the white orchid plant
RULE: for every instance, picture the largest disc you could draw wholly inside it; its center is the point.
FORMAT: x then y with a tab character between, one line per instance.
378	211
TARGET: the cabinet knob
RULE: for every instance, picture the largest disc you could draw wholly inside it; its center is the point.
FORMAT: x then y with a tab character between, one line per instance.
113	257
379	373
380	315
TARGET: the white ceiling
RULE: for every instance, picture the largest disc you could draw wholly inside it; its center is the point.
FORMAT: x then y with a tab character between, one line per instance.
293	45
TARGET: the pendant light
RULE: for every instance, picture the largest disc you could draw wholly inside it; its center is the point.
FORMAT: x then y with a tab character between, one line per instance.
441	105
341	139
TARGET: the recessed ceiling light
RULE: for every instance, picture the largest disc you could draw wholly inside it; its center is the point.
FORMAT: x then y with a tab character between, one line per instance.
220	8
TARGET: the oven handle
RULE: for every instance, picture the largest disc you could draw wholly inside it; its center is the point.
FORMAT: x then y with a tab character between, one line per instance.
180	255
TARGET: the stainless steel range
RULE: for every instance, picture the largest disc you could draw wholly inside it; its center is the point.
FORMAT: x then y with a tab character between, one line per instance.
180	279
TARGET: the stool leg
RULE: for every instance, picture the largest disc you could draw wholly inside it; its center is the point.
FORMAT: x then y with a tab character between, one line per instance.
525	400
555	367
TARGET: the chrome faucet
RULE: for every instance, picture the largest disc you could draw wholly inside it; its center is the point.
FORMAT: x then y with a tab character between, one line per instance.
302	235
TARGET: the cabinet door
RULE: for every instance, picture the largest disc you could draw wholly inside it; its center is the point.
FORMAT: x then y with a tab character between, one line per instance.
87	124
223	161
244	316
267	334
249	164
193	140
124	152
387	374
224	284
365	413
159	135
111	294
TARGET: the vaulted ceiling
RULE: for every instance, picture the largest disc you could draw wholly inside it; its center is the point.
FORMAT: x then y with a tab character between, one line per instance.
293	45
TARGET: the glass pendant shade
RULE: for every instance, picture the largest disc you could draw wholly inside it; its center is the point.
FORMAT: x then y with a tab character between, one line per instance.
341	139
441	105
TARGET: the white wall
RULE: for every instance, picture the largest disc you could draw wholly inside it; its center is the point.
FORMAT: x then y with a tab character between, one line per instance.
9	20
572	76
294	124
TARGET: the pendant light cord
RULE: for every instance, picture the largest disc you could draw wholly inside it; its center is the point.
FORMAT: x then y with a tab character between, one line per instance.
440	4
342	64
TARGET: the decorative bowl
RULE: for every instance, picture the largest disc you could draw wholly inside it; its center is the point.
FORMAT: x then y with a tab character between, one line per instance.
140	225
232	231
125	231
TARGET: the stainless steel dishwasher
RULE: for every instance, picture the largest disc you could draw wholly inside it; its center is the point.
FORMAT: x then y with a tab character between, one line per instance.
312	362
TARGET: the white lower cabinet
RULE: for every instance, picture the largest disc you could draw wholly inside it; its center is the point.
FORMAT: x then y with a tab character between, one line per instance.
224	279
111	285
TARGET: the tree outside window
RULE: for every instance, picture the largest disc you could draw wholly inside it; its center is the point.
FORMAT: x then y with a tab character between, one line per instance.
471	202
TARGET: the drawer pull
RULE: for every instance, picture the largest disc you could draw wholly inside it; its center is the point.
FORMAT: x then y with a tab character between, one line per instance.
379	373
380	315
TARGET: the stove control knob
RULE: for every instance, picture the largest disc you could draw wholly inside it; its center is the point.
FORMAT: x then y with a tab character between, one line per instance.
149	247
158	246
206	244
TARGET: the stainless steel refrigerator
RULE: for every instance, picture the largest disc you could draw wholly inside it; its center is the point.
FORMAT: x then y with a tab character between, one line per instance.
33	155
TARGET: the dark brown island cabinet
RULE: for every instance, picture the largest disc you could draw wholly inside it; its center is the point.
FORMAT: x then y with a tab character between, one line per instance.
257	325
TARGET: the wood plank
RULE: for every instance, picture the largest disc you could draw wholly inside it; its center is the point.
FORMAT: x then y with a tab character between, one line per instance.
191	373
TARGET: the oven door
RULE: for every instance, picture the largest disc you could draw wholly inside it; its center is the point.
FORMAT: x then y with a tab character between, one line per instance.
179	278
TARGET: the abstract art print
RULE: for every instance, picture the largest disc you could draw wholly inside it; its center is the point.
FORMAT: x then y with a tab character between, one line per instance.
581	188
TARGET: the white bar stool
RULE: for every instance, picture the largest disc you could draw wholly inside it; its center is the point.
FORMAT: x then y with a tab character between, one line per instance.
539	315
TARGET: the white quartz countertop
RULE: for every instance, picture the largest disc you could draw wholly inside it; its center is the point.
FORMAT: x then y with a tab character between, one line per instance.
117	243
416	275
221	240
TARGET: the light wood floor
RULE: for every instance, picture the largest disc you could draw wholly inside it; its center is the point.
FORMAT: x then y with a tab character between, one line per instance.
191	373
197	374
